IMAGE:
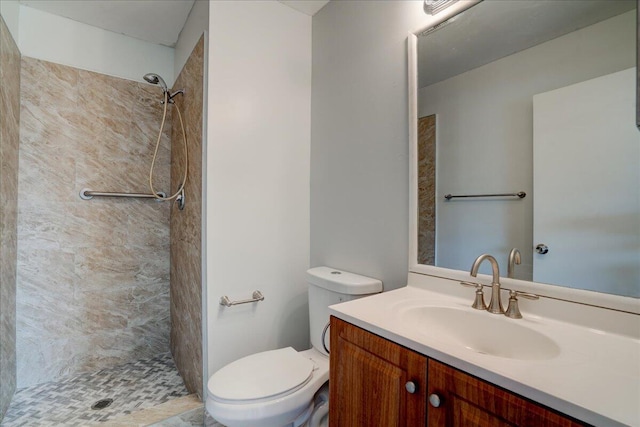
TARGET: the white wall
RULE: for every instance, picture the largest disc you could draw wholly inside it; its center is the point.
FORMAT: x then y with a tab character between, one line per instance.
586	135
257	219
360	148
10	11
489	150
64	41
196	24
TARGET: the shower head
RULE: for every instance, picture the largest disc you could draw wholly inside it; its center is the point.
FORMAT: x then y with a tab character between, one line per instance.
155	79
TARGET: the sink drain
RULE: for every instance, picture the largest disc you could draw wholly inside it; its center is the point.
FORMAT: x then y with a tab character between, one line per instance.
102	403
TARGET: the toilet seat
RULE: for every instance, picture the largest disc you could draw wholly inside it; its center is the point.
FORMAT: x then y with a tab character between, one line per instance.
277	410
261	376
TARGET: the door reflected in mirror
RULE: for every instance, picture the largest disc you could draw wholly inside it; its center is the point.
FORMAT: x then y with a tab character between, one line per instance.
535	97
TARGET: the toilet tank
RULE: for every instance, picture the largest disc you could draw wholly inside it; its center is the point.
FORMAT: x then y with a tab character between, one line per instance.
328	286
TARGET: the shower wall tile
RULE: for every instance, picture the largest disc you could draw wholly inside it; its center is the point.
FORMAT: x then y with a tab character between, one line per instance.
111	308
149	226
41	226
48	172
186	323
37	132
55	81
95	225
9	143
59	355
104	173
117	266
92	276
186	226
427	190
47	291
106	96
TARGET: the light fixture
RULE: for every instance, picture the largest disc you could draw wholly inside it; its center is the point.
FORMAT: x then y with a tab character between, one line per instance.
432	7
440	25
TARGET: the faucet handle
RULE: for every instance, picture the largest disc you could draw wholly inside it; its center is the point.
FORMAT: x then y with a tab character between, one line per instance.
478	303
524	295
513	311
471	284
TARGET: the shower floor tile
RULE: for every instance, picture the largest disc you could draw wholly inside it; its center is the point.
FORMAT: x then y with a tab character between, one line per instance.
133	386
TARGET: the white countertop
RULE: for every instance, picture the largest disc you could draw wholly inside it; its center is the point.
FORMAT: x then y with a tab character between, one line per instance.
595	378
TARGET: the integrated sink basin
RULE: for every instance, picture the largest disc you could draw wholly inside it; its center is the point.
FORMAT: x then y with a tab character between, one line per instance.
560	354
481	332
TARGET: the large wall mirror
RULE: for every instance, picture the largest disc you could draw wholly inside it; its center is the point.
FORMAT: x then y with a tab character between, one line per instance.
531	106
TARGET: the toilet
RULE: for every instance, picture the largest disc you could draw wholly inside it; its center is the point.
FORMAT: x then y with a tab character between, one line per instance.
284	387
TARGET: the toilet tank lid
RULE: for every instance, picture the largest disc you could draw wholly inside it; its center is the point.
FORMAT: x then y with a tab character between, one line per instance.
343	282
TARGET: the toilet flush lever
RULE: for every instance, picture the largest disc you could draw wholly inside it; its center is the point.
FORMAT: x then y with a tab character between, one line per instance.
256	296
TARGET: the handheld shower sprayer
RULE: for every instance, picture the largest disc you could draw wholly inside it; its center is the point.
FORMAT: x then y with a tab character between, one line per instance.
155	79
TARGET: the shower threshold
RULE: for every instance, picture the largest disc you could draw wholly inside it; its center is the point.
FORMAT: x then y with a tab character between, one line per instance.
134	394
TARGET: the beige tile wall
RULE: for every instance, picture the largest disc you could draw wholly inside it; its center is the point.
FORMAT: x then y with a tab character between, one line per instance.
92	276
9	140
427	190
186	225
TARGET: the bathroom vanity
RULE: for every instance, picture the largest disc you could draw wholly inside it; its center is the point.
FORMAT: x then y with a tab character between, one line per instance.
421	355
478	107
376	382
393	364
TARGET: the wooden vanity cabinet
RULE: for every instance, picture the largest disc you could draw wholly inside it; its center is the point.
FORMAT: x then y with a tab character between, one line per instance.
368	388
368	381
468	401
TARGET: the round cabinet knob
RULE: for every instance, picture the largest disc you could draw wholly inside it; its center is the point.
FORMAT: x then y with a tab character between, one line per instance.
434	399
411	387
542	249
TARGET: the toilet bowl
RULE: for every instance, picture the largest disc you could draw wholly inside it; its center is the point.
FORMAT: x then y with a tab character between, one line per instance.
284	387
253	398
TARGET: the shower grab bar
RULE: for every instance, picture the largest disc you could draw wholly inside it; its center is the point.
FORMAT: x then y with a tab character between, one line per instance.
87	194
255	297
520	194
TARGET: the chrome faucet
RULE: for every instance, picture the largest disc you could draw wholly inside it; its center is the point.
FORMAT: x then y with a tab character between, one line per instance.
495	306
512	310
514	259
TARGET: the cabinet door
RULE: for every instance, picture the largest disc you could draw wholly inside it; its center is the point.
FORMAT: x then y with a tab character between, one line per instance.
368	380
466	401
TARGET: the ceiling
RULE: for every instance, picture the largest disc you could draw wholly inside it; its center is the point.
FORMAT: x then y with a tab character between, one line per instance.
155	21
477	37
158	22
308	7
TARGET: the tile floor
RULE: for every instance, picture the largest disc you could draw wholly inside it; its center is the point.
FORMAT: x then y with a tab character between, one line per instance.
134	386
184	411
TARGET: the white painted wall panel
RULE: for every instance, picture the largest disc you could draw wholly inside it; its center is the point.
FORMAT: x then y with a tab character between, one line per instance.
10	11
196	24
63	41
360	137
257	221
586	151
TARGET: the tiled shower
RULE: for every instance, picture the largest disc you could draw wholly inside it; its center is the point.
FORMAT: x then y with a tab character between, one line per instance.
92	284
9	141
93	275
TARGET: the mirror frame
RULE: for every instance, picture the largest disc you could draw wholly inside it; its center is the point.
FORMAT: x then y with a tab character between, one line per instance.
638	64
592	298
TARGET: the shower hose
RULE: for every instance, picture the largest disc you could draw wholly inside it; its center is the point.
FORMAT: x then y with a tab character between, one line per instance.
155	153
